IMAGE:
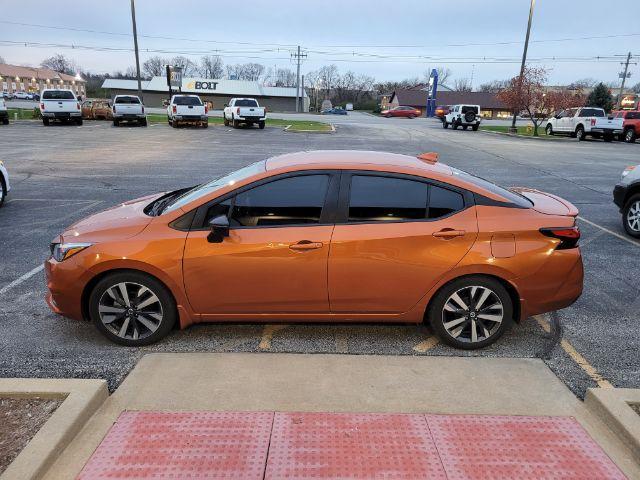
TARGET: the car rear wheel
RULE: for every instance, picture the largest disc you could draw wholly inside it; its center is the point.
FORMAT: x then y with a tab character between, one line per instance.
471	312
45	122
261	125
132	308
549	129
143	122
580	133
464	127
475	128
445	124
631	216
3	191
629	135
454	125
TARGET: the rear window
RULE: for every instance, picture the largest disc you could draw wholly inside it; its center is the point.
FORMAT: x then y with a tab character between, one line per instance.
633	115
246	103
135	100
58	95
187	101
512	197
592	112
467	108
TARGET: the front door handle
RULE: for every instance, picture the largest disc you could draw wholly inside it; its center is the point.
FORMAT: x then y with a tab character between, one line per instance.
305	245
449	233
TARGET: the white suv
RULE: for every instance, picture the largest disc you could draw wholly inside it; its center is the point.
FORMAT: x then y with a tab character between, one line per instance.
462	116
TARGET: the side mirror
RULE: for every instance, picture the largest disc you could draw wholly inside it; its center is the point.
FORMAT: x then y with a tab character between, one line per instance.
219	229
226	104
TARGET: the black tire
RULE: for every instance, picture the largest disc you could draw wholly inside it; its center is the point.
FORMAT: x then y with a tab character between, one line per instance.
5	121
174	124
454	125
169	121
167	312
629	135
632	203
261	125
475	128
79	121
116	123
143	122
580	133
608	138
445	124
469	117
236	123
412	116
225	121
549	129
464	127
45	122
3	191
205	124
436	312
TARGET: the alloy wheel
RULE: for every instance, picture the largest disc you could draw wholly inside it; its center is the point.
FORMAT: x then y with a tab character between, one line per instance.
628	136
130	310
633	216
472	314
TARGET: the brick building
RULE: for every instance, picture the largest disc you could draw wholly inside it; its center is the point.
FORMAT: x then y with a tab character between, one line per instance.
14	78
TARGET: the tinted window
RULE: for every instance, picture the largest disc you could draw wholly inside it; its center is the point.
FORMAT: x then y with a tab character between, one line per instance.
246	103
592	112
493	188
219	209
58	95
382	198
290	201
443	202
633	115
187	101
466	109
127	100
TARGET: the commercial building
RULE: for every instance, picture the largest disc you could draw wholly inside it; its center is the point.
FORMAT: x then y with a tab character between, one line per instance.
14	78
490	106
217	92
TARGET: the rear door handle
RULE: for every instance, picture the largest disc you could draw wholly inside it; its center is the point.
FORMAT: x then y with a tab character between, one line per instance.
449	233
305	245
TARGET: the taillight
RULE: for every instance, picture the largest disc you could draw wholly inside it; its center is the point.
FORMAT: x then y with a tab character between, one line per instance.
593	122
238	110
78	106
175	110
206	109
568	236
42	106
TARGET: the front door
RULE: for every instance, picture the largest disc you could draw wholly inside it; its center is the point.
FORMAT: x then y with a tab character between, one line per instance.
401	236
275	257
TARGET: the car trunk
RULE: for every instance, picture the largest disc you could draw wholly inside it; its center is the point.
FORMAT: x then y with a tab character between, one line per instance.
547	203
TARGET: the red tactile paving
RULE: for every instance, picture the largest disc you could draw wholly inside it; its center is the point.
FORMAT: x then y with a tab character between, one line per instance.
183	445
498	447
353	446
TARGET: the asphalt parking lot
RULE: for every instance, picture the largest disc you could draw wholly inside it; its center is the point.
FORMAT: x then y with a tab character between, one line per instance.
62	173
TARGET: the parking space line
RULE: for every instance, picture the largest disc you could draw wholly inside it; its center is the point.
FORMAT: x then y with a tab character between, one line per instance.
427	344
21	279
576	356
267	335
621	237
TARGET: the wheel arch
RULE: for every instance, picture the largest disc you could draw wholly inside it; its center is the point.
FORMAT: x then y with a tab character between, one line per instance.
580	125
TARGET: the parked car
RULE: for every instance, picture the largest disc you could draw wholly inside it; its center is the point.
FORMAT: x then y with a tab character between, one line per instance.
441	111
187	109
5	187
35	96
96	110
60	105
7	95
626	195
4	113
334	111
630	124
244	110
401	111
21	95
463	116
583	122
279	239
128	108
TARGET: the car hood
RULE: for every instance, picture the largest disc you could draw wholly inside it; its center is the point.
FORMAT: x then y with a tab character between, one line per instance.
117	223
547	203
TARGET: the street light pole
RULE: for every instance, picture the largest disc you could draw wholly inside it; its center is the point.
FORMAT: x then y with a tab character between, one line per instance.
135	45
513	128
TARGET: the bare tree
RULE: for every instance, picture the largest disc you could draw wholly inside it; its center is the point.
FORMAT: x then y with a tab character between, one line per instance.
189	68
443	74
583	83
211	66
494	86
245	71
61	64
462	85
155	66
328	75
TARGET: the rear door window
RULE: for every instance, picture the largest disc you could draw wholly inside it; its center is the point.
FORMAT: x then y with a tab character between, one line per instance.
380	199
443	202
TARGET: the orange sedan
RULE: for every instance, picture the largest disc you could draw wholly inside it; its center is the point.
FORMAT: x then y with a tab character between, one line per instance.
340	236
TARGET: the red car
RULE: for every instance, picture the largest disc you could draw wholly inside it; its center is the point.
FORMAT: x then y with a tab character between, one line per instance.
408	112
442	111
631	125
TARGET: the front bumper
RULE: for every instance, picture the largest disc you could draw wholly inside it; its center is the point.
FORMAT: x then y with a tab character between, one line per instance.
65	284
619	195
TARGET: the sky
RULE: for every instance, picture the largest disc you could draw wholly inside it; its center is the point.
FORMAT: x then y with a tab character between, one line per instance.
476	39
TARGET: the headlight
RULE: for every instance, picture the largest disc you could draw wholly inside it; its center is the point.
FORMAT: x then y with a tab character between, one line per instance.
628	170
62	251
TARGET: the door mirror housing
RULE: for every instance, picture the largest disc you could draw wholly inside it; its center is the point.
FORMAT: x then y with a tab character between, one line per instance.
219	229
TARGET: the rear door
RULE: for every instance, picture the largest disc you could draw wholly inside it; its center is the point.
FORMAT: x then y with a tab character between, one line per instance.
396	237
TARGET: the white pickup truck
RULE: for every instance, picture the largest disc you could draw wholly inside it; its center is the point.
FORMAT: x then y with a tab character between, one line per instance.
128	108
4	113
60	105
187	109
244	110
585	121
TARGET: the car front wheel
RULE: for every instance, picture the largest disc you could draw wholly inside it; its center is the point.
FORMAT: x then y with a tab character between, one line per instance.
549	129
471	312
631	216
580	134
132	308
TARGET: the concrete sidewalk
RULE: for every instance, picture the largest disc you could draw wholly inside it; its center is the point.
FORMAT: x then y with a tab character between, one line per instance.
339	383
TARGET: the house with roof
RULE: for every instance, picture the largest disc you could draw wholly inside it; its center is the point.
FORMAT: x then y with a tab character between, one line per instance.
16	78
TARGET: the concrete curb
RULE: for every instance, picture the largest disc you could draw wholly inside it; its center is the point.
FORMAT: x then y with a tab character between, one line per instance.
81	399
612	406
333	130
526	137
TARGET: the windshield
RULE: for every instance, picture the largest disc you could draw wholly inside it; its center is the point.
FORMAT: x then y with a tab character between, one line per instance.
127	100
187	101
246	103
513	197
58	95
206	188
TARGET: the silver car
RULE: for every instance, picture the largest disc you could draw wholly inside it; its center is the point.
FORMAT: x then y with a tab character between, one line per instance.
626	195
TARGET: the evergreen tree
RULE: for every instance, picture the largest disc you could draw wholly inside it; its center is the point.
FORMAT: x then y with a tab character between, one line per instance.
600	97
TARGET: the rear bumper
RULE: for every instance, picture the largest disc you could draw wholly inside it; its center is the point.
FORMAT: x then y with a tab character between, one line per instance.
130	116
251	119
61	115
607	131
191	118
619	195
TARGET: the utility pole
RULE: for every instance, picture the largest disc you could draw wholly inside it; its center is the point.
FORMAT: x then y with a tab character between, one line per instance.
624	76
135	45
298	57
302	95
513	128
